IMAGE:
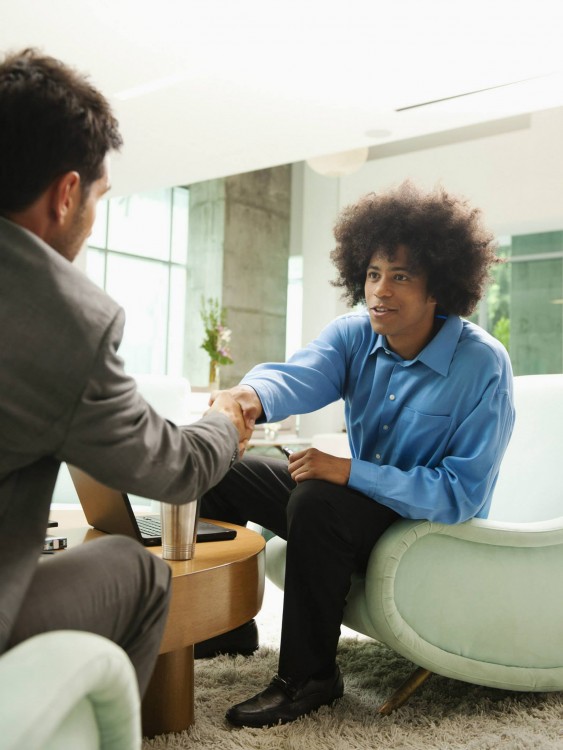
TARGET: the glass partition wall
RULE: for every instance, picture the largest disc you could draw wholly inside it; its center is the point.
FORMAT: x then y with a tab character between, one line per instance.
524	305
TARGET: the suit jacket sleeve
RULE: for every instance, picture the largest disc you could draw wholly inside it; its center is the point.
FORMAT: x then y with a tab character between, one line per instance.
116	437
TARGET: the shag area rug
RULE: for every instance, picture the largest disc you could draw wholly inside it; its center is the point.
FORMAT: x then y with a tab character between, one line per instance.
442	714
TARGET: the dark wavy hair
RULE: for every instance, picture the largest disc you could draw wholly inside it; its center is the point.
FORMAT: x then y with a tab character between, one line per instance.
52	121
442	233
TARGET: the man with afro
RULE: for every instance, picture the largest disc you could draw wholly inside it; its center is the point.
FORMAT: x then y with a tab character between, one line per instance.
429	413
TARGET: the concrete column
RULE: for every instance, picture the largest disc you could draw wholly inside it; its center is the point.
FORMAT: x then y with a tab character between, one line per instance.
238	252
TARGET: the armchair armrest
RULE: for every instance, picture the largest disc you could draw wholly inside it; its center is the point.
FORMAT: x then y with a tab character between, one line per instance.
480	601
44	679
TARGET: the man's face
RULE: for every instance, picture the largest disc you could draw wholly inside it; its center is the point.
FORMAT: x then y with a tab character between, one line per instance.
70	238
398	303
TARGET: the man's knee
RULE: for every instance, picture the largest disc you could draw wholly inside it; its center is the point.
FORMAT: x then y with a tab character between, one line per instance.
135	561
310	504
219	502
157	572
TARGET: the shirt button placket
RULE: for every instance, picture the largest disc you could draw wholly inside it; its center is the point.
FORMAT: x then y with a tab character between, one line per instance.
385	426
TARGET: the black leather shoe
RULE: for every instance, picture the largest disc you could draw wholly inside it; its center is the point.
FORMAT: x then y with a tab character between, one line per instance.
242	640
283	701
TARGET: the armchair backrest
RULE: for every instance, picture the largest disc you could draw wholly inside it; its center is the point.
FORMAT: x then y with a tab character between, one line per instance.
530	483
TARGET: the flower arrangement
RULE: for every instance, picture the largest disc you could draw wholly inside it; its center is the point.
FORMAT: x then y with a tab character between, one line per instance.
217	335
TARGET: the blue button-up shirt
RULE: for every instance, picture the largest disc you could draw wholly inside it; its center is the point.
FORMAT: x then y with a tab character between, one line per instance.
426	435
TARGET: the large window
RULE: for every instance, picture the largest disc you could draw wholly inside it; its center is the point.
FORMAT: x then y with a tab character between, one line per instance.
524	306
137	252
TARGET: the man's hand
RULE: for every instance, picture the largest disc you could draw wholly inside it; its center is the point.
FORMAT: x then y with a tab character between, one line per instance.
314	464
249	403
223	401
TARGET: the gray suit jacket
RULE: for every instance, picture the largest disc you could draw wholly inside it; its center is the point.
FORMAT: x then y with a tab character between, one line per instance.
65	397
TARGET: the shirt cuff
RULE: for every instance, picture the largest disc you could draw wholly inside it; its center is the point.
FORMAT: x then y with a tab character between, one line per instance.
363	477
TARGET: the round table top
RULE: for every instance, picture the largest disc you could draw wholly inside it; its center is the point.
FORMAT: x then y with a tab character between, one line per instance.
218	590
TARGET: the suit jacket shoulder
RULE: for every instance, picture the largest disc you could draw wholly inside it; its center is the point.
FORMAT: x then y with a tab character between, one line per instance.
53	322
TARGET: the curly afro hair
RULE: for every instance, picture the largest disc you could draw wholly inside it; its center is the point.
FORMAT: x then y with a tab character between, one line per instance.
443	234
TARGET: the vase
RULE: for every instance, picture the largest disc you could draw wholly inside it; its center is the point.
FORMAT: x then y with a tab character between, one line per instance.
213	376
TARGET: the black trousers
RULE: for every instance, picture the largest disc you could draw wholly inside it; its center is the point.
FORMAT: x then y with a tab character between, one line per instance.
330	532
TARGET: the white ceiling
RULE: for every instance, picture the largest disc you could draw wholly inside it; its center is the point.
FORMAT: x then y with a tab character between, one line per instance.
230	86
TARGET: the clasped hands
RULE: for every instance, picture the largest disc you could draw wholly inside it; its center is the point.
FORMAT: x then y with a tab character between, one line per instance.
243	407
226	403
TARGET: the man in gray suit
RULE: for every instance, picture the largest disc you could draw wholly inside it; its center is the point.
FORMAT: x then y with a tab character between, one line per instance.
63	393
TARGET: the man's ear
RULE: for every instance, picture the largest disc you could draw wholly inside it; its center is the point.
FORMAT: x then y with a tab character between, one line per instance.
65	196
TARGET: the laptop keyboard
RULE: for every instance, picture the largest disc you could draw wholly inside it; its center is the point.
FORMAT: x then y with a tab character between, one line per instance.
148	525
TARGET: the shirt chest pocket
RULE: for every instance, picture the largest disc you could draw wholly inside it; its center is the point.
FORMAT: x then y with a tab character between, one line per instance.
425	437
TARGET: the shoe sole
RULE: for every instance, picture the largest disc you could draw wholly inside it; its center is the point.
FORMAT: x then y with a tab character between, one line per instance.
233	652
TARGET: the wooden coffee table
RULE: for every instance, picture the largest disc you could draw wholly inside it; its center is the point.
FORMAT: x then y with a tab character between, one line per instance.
220	589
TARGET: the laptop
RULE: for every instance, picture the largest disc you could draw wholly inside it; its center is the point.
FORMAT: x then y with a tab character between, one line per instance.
110	511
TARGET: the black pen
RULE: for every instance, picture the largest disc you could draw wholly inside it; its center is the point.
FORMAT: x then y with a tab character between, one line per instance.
286	451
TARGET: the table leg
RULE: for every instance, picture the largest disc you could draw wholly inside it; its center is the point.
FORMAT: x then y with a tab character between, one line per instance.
168	705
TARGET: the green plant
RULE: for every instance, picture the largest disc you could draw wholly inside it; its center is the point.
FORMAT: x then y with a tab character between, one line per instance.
501	331
217	335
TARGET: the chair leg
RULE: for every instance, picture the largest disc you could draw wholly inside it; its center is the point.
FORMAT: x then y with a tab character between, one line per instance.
404	692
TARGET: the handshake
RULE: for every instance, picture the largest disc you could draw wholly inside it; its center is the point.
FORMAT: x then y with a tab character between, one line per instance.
242	406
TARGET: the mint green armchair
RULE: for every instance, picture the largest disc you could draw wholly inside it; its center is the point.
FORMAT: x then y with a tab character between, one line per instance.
68	689
481	601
